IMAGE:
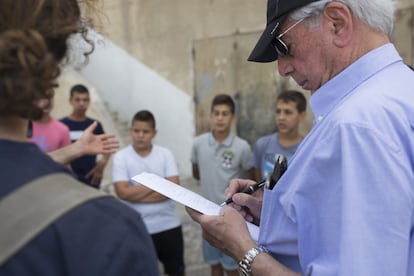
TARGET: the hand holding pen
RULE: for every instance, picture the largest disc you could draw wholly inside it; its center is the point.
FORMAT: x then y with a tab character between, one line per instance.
249	190
278	170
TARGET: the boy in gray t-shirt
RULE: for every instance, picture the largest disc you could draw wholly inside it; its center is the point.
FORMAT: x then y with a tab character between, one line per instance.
217	157
290	112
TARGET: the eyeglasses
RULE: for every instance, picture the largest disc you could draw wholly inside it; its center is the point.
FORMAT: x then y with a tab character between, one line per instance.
280	47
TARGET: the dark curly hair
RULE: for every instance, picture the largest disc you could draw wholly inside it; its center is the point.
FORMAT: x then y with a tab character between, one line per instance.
33	43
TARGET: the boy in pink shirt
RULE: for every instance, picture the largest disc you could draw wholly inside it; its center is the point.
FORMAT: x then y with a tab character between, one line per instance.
48	133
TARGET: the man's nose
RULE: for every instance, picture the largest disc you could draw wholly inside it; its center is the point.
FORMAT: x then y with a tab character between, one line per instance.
284	66
281	116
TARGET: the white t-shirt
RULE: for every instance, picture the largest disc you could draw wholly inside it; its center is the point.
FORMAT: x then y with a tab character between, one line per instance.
159	216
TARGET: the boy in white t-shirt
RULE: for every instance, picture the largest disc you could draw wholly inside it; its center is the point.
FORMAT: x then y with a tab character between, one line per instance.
158	212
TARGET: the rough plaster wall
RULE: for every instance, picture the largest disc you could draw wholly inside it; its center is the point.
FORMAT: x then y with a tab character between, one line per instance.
403	35
160	32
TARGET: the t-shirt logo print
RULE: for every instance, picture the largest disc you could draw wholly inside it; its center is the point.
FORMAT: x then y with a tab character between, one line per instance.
227	159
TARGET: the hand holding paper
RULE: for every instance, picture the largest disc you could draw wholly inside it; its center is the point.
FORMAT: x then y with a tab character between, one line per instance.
185	197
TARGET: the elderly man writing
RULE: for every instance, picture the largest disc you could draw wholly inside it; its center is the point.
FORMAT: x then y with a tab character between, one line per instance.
345	205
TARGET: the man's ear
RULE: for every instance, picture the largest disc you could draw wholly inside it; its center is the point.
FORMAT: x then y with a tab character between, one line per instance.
341	22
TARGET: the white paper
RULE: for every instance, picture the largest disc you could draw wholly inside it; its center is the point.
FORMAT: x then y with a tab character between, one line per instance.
185	197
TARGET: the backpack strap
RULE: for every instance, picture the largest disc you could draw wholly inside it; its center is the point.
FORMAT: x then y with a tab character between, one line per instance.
26	212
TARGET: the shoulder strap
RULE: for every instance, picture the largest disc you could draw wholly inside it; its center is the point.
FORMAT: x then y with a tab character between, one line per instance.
26	212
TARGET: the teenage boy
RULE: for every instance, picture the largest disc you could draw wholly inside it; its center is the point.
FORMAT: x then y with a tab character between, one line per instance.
48	133
87	168
158	211
217	157
290	112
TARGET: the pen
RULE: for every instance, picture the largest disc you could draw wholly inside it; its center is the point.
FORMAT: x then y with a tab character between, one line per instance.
249	190
278	170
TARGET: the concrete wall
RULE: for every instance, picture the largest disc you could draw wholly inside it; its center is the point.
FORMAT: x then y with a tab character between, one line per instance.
160	33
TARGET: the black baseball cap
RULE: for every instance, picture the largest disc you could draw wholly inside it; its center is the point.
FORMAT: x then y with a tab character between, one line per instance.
277	13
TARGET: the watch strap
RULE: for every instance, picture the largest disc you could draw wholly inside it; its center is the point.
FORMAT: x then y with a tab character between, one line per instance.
245	265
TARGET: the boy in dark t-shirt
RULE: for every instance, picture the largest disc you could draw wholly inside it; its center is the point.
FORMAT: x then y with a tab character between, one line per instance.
87	169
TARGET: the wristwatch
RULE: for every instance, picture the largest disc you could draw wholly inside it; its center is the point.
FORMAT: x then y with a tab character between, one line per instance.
245	265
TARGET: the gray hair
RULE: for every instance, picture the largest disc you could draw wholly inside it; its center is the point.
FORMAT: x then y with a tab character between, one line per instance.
377	14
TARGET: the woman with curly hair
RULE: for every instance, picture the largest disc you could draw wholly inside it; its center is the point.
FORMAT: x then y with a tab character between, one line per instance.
98	237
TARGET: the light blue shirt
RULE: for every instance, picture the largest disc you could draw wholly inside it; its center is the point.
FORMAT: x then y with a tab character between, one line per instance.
345	206
266	150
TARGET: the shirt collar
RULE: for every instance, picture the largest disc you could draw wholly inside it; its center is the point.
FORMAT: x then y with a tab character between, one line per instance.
331	93
227	142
